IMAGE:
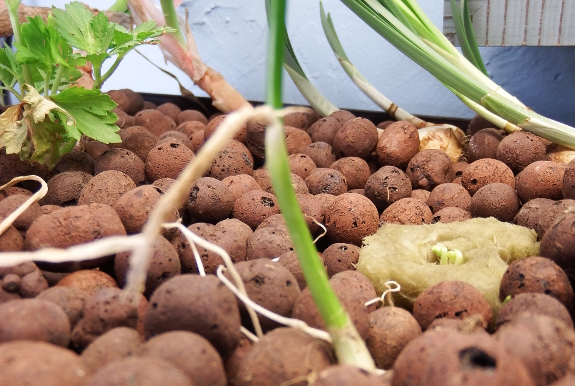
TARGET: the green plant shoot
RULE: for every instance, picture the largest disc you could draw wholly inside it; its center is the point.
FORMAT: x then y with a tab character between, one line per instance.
53	111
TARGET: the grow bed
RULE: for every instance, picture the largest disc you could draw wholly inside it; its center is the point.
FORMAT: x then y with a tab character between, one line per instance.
107	328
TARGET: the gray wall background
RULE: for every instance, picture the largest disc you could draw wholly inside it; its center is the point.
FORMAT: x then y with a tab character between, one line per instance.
231	36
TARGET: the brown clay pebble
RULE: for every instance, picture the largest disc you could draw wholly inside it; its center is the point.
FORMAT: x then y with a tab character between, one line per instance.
95	148
200	304
124	161
24	280
323	180
533	303
301	164
269	242
324	130
407	211
11	166
164	264
568	187
34	319
153	120
70	299
342	375
240	184
296	119
120	99
296	139
106	188
458	169
213	124
519	149
190	127
528	215
233	362
90	281
263	179
390	330
175	135
209	201
283	355
321	153
136	101
219	235
291	262
140	143
124	120
141	371
169	109
429	168
451	214
149	105
64	189
398	144
475	359
449	194
478	123
25	220
178	347
495	200
72	226
11	240
350	218
112	346
75	161
24	363
541	179
352	289
135	206
544	344
354	169
191	116
421	194
483	144
234	159
558	243
340	257
342	115
12	190
167	160
255	206
356	138
551	213
486	171
450	299
386	186
270	285
536	274
108	308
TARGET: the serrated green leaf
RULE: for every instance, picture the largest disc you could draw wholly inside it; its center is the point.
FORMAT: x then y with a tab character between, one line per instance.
8	67
13	131
92	112
82	30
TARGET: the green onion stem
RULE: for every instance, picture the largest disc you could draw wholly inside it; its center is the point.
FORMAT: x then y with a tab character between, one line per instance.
120	6
171	17
349	347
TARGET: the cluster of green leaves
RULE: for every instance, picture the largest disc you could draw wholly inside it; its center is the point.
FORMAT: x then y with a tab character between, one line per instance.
53	113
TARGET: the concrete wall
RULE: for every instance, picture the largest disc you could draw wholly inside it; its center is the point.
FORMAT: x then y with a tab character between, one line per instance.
231	36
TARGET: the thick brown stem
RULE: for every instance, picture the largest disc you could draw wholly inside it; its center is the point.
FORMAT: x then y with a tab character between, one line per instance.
225	97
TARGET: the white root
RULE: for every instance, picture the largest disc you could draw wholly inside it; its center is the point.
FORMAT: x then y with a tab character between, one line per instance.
385	293
193	239
295	323
5	224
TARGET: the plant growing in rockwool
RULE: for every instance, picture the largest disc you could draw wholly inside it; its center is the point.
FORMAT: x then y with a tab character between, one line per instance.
54	110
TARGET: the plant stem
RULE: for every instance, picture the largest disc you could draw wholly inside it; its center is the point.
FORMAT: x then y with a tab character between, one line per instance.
97	77
349	347
101	79
57	80
12	6
67	147
119	6
171	17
